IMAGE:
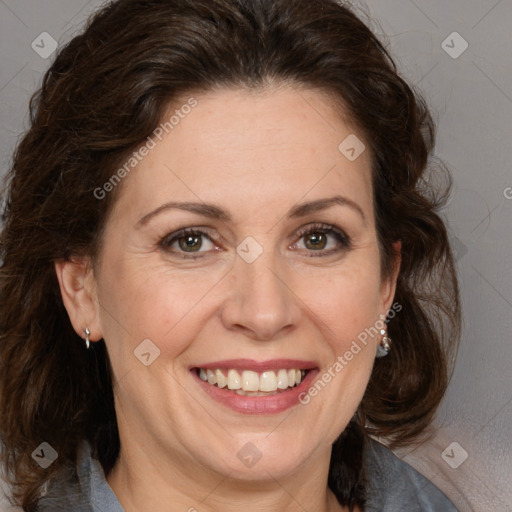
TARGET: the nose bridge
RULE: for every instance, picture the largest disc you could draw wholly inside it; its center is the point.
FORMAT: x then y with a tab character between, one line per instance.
261	302
262	278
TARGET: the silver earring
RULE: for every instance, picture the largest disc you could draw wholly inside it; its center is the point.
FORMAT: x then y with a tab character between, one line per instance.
87	342
384	345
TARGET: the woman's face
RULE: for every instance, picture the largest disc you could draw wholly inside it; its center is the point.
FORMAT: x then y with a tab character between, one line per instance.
246	290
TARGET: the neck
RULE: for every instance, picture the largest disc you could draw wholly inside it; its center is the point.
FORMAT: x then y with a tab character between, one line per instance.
144	483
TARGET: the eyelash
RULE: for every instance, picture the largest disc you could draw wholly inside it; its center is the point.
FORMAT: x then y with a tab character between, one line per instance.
341	237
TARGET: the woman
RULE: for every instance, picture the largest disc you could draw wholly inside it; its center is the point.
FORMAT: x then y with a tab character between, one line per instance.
218	221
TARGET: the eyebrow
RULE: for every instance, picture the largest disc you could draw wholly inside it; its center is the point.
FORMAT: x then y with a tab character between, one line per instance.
214	212
303	209
204	209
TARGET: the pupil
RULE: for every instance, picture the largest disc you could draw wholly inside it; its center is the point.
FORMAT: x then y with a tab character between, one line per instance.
316	240
190	242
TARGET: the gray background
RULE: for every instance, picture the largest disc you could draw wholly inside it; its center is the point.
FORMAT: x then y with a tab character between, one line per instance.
471	99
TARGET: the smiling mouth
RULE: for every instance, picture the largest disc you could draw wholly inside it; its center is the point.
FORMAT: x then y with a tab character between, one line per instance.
251	383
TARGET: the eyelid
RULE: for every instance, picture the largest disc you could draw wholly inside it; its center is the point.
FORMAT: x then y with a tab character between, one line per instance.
342	237
189	229
171	238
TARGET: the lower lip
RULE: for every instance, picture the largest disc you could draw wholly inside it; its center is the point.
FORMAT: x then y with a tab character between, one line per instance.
271	404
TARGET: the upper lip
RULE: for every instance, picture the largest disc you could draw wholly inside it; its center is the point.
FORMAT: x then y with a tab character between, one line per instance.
251	364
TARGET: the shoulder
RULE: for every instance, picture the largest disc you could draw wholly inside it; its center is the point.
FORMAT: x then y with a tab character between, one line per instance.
83	490
395	486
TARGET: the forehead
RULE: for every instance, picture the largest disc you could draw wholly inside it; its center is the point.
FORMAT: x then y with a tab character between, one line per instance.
251	149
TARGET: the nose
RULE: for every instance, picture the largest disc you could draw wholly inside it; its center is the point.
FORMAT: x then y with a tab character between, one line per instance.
260	304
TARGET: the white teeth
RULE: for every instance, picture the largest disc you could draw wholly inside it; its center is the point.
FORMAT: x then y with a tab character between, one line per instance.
268	381
251	383
234	380
282	379
222	381
211	377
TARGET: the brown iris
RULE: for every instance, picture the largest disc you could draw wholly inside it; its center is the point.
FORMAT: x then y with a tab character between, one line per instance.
317	240
190	242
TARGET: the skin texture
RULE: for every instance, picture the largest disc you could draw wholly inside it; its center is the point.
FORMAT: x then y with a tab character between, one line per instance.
256	155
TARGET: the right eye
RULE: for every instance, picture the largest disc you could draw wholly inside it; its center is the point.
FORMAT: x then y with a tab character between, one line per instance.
187	242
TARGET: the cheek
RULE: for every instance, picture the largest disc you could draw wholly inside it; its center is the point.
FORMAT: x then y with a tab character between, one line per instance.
141	300
346	302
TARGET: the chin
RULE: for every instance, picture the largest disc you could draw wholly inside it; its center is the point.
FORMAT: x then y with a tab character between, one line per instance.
264	456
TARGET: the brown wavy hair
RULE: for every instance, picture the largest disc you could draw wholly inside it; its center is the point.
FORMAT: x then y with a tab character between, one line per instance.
104	94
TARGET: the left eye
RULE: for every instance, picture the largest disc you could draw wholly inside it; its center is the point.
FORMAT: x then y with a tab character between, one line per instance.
322	239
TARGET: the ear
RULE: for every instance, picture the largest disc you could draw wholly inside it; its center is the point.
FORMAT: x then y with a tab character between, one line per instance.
78	289
389	284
